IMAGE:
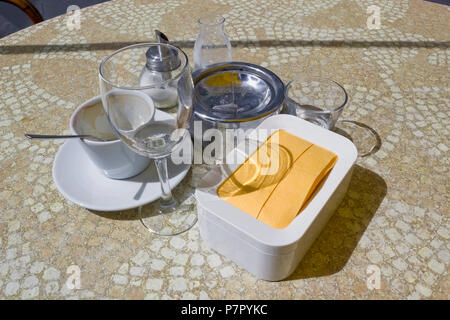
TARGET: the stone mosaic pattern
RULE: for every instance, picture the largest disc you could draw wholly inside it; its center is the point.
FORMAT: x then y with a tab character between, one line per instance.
394	216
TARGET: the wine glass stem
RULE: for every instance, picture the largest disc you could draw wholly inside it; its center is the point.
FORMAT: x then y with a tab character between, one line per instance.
167	199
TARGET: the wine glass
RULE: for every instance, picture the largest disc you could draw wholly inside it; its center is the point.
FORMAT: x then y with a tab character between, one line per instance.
132	110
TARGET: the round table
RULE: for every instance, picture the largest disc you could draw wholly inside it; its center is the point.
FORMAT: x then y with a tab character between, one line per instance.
391	226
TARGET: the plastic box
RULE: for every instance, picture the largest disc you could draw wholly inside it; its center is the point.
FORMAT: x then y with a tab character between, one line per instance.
268	253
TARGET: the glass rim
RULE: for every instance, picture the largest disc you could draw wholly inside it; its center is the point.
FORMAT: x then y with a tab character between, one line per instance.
287	87
143	44
219	20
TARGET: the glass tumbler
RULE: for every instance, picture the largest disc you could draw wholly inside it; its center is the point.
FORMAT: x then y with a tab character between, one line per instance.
317	100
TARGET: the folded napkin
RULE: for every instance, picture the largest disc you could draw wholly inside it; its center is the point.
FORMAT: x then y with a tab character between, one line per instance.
276	181
251	184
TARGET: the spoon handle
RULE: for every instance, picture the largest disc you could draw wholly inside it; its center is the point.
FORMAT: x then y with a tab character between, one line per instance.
47	136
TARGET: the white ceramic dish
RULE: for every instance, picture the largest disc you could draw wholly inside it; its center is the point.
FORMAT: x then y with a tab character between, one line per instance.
268	253
80	181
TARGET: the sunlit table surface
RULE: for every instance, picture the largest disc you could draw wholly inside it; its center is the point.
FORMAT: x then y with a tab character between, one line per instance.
392	224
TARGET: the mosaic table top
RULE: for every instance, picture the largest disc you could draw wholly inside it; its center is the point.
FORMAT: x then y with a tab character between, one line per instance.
393	222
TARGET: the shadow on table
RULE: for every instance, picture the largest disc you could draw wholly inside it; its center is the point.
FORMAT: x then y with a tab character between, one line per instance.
365	138
181	192
44	48
337	241
131	214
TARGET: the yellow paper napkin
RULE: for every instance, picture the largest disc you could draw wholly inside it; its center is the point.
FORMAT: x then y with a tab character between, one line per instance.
249	186
294	190
276	181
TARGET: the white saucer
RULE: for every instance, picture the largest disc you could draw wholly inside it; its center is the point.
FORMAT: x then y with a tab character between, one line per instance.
81	182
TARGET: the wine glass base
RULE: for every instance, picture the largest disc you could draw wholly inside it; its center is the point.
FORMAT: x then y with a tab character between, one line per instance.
167	207
170	220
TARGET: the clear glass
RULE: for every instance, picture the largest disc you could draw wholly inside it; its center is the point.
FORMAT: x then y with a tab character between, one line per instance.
212	44
321	101
317	100
164	93
132	111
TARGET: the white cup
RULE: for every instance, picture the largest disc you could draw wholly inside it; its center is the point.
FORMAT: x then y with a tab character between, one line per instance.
114	159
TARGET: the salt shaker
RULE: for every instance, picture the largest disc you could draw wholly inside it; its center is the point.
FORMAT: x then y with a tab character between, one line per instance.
160	63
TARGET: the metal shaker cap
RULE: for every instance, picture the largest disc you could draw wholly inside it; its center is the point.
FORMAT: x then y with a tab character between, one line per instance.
162	59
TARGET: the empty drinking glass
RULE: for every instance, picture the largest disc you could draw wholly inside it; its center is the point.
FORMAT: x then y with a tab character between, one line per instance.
212	44
321	101
131	108
317	100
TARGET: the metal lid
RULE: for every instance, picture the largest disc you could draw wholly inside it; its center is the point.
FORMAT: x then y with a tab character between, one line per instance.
236	92
160	58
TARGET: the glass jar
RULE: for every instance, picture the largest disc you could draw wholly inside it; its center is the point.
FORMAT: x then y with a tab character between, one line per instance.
212	44
161	61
